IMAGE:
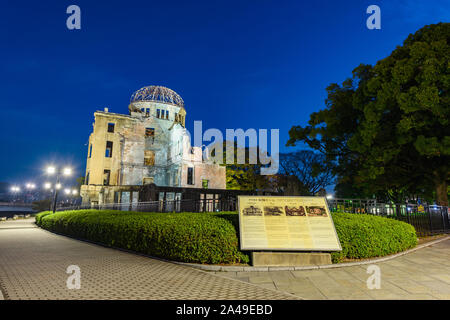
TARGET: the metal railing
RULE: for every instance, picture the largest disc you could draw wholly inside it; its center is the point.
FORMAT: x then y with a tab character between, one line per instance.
427	219
202	205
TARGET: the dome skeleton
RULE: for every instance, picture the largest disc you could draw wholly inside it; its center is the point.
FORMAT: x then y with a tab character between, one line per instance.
157	94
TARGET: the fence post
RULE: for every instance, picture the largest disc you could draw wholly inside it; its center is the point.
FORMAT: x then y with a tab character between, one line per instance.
408	214
441	210
429	218
447	217
398	208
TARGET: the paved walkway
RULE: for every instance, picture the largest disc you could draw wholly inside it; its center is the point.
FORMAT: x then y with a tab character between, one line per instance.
422	274
33	265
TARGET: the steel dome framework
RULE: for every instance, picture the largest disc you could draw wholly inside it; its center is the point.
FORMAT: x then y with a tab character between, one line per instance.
157	94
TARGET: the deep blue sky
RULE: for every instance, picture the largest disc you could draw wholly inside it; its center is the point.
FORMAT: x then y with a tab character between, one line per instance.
237	64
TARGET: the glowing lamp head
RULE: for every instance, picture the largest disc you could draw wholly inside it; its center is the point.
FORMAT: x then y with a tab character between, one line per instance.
51	170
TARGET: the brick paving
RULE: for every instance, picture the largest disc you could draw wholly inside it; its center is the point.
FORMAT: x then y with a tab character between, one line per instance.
422	274
33	265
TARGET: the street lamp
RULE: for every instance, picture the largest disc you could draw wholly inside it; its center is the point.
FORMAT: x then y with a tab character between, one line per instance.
30	186
53	170
71	193
15	190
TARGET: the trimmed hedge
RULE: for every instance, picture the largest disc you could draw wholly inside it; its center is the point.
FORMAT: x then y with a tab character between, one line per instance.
187	237
213	237
367	236
40	215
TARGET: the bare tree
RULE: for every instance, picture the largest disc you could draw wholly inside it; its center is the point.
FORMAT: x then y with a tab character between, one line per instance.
309	168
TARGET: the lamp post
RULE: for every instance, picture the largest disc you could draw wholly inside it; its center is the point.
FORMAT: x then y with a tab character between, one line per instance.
30	187
48	186
53	170
71	193
15	190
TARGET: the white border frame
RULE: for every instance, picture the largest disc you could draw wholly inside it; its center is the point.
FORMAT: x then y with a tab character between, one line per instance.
286	249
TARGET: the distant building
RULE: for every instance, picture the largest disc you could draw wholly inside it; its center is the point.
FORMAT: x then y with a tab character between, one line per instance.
150	145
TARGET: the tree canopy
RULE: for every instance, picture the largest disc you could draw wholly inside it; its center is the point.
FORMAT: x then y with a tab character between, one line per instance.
310	170
385	131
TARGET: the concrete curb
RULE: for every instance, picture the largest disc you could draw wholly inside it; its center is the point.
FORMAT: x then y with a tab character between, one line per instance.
205	267
200	267
328	266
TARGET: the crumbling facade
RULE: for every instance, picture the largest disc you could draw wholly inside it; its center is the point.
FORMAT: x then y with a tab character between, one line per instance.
150	145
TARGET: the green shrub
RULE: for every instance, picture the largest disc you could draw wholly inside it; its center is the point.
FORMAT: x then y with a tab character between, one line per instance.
187	237
213	237
40	215
367	236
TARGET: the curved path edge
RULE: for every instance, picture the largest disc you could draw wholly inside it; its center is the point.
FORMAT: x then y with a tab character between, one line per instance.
205	267
326	266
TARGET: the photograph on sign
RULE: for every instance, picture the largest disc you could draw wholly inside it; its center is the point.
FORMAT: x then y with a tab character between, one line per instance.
286	223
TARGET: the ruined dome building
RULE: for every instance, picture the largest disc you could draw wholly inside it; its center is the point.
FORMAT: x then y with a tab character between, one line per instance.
149	146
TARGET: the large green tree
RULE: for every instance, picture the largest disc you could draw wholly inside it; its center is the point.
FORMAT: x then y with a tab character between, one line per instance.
386	131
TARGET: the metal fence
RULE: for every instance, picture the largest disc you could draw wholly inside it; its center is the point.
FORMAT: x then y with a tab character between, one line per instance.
203	205
427	219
